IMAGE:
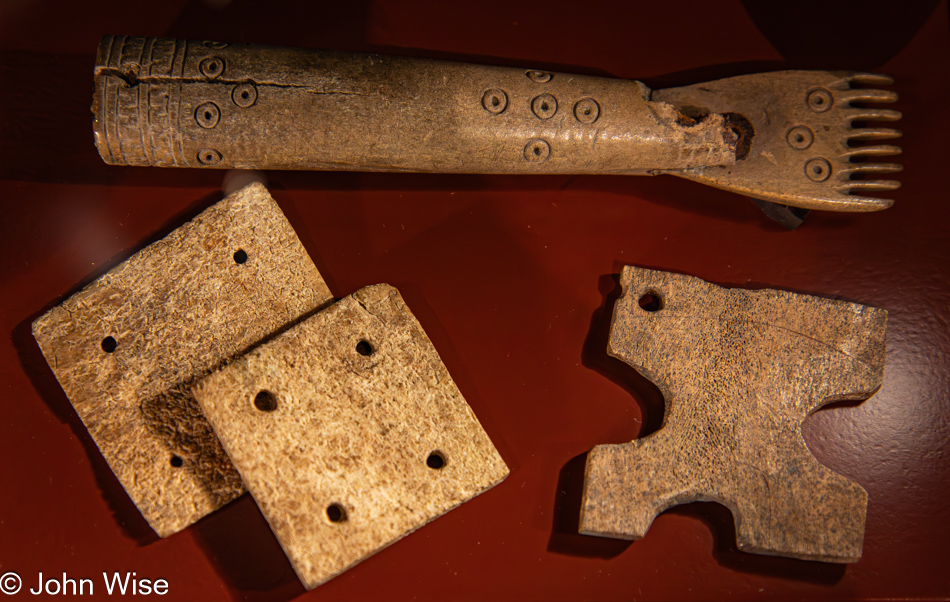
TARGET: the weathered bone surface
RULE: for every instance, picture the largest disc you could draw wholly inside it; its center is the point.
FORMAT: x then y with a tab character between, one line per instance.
177	103
128	347
814	137
740	370
787	137
349	432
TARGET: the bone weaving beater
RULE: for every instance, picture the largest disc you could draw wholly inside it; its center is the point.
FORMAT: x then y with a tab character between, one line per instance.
805	139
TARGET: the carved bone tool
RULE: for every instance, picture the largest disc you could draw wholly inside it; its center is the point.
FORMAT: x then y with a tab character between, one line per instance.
740	370
785	137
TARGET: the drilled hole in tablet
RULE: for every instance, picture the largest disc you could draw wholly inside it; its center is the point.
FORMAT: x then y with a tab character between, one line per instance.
177	462
436	460
336	513
240	256
109	344
364	348
651	301
265	401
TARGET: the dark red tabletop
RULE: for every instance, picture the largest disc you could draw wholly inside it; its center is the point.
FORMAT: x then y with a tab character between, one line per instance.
514	279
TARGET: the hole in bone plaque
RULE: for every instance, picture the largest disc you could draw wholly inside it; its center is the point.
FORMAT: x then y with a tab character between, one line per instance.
651	301
265	401
335	513
109	344
435	461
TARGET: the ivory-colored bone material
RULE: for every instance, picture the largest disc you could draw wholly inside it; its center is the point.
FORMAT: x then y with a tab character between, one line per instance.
740	370
792	137
349	432
179	103
128	347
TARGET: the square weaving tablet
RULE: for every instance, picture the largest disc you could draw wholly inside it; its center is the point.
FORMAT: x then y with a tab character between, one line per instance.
349	432
128	347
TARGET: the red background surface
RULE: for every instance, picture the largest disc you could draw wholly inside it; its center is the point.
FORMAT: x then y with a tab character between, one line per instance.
513	278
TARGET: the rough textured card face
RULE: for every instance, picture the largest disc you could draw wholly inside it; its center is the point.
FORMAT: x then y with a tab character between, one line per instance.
349	432
740	370
128	347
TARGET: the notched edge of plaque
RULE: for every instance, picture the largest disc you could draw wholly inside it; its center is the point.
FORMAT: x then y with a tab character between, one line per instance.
640	318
